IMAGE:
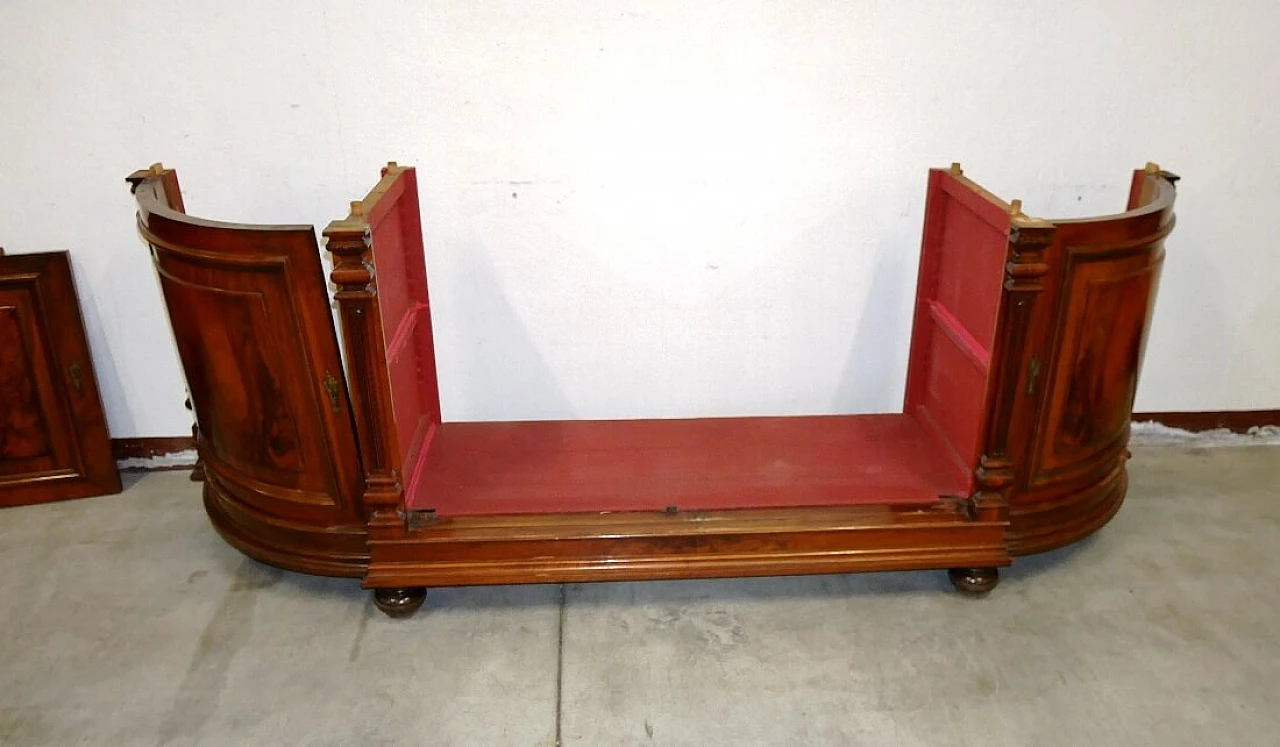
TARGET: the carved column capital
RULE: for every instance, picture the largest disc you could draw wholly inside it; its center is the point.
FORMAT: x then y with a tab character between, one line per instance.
1029	239
349	243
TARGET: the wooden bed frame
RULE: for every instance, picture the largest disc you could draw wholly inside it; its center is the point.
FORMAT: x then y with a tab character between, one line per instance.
1025	351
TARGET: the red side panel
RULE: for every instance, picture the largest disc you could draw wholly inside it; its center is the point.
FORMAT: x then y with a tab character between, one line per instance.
396	242
962	261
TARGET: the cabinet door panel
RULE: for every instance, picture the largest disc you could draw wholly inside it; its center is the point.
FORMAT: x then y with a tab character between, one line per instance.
251	320
1107	302
28	406
252	399
53	436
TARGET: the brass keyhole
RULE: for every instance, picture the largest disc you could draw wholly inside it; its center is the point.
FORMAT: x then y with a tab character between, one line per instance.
331	386
77	377
1033	370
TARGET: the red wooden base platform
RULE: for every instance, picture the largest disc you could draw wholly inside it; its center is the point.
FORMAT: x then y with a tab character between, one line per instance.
474	469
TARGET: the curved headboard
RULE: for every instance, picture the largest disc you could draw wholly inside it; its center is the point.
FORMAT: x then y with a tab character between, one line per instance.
250	315
1093	318
1110	271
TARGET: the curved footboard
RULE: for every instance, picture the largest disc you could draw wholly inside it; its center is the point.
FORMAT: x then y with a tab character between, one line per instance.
1081	372
250	315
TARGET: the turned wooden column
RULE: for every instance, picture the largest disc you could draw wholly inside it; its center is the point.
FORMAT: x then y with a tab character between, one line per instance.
362	340
1017	373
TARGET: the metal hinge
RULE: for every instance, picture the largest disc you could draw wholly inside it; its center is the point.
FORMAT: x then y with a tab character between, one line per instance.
965	505
331	388
1033	371
420	519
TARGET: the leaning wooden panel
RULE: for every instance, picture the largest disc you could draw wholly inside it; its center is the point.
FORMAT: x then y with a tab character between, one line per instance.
569	547
250	315
54	443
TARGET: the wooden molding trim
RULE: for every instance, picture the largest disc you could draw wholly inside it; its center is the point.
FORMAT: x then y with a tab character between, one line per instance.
1237	421
151	447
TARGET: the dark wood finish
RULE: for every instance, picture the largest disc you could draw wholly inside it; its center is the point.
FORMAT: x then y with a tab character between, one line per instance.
54	443
399	602
559	547
250	313
1011	440
1236	421
975	582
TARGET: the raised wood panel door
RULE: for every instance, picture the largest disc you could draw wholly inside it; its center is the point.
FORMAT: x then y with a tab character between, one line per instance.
250	397
1082	363
53	435
250	316
1108	301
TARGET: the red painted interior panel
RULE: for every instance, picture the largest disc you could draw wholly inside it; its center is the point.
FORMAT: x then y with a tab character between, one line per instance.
951	402
970	257
962	259
913	458
396	240
713	463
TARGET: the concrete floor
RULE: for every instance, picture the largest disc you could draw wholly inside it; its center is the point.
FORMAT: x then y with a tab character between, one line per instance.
128	622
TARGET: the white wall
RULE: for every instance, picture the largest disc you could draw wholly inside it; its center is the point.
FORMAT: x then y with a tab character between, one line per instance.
663	208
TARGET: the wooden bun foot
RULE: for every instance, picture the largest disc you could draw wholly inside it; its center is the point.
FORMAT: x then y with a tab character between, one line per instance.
401	602
975	582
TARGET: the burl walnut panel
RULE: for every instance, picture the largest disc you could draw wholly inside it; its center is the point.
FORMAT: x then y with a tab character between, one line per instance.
249	310
26	443
53	433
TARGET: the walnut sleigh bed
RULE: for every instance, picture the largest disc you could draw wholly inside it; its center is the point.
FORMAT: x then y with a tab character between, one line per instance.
1025	350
